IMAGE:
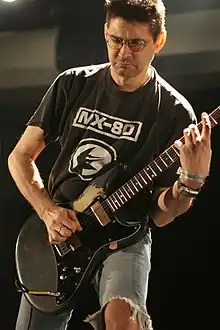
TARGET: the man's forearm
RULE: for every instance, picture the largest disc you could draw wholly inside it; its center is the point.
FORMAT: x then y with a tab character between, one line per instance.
169	206
27	178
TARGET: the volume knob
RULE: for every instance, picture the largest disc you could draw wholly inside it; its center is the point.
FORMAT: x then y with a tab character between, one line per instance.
77	270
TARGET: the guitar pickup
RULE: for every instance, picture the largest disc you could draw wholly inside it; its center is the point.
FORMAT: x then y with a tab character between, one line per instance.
100	214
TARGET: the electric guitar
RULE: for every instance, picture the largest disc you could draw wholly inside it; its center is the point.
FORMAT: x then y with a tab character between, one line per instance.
55	277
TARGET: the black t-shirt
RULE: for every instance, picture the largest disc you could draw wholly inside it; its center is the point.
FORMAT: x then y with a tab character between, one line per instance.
96	124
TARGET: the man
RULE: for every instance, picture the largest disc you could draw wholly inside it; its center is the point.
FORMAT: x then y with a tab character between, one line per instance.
102	114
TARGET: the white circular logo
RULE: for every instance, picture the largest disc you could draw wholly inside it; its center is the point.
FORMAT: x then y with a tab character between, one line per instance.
90	157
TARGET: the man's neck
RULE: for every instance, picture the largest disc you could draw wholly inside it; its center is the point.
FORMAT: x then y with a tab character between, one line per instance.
129	84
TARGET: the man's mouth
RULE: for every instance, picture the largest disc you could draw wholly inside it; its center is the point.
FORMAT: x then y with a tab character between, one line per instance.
124	64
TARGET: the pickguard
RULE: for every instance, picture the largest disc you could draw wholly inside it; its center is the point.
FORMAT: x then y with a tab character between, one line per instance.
87	197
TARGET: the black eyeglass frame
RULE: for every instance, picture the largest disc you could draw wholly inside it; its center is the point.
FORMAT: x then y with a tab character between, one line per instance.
135	45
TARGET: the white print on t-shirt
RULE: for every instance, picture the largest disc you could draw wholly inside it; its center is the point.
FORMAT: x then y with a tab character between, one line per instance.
89	158
104	124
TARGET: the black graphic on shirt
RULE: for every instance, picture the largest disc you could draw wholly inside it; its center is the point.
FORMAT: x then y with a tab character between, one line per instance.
89	158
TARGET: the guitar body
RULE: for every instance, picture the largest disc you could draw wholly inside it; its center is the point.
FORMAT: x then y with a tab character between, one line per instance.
68	268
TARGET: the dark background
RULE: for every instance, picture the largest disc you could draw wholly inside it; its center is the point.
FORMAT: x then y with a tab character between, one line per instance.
184	279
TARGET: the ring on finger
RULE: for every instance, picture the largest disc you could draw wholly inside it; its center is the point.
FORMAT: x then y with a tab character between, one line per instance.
61	227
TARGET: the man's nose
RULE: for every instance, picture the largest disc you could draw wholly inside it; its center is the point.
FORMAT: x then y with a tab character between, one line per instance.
125	51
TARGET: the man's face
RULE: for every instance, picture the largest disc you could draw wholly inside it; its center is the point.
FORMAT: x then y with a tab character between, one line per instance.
130	47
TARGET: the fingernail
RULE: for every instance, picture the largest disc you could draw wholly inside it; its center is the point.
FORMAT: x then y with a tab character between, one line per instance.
186	130
177	143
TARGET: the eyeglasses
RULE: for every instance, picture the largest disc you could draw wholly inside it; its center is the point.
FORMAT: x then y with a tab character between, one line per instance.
135	45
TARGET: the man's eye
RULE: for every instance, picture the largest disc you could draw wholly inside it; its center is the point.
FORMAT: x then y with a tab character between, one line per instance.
137	42
116	40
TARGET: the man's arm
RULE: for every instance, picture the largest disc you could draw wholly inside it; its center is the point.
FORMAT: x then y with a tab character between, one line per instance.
170	204
21	163
195	159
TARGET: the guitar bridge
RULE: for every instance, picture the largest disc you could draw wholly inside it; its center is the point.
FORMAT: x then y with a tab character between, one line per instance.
72	244
62	249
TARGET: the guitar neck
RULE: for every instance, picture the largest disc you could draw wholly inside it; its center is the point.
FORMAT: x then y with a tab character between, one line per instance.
146	177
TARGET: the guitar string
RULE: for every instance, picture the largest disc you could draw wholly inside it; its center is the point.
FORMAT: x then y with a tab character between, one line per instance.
105	204
88	225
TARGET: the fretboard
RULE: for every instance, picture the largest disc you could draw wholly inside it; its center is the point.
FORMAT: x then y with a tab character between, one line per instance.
147	175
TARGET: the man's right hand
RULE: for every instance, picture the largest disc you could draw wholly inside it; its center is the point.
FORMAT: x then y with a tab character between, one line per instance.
60	223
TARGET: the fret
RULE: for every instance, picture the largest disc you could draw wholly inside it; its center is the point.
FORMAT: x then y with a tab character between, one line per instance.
152	175
134	186
108	200
163	161
158	166
169	156
130	189
138	182
215	122
113	202
175	151
119	195
152	170
116	196
142	178
145	172
126	192
123	196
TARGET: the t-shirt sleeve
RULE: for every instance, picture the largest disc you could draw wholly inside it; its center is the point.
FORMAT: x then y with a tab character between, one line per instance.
182	117
47	114
53	110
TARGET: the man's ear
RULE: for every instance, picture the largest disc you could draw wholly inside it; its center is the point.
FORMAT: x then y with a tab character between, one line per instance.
160	42
105	30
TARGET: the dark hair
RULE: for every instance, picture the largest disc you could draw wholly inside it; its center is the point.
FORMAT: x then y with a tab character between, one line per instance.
152	12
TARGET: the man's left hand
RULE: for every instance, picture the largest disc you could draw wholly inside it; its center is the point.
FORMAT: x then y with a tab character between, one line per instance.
195	151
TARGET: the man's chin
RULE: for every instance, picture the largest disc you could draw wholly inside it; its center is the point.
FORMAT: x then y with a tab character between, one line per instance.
125	71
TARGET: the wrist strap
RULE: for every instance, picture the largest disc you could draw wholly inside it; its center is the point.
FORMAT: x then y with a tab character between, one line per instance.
190	176
185	191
